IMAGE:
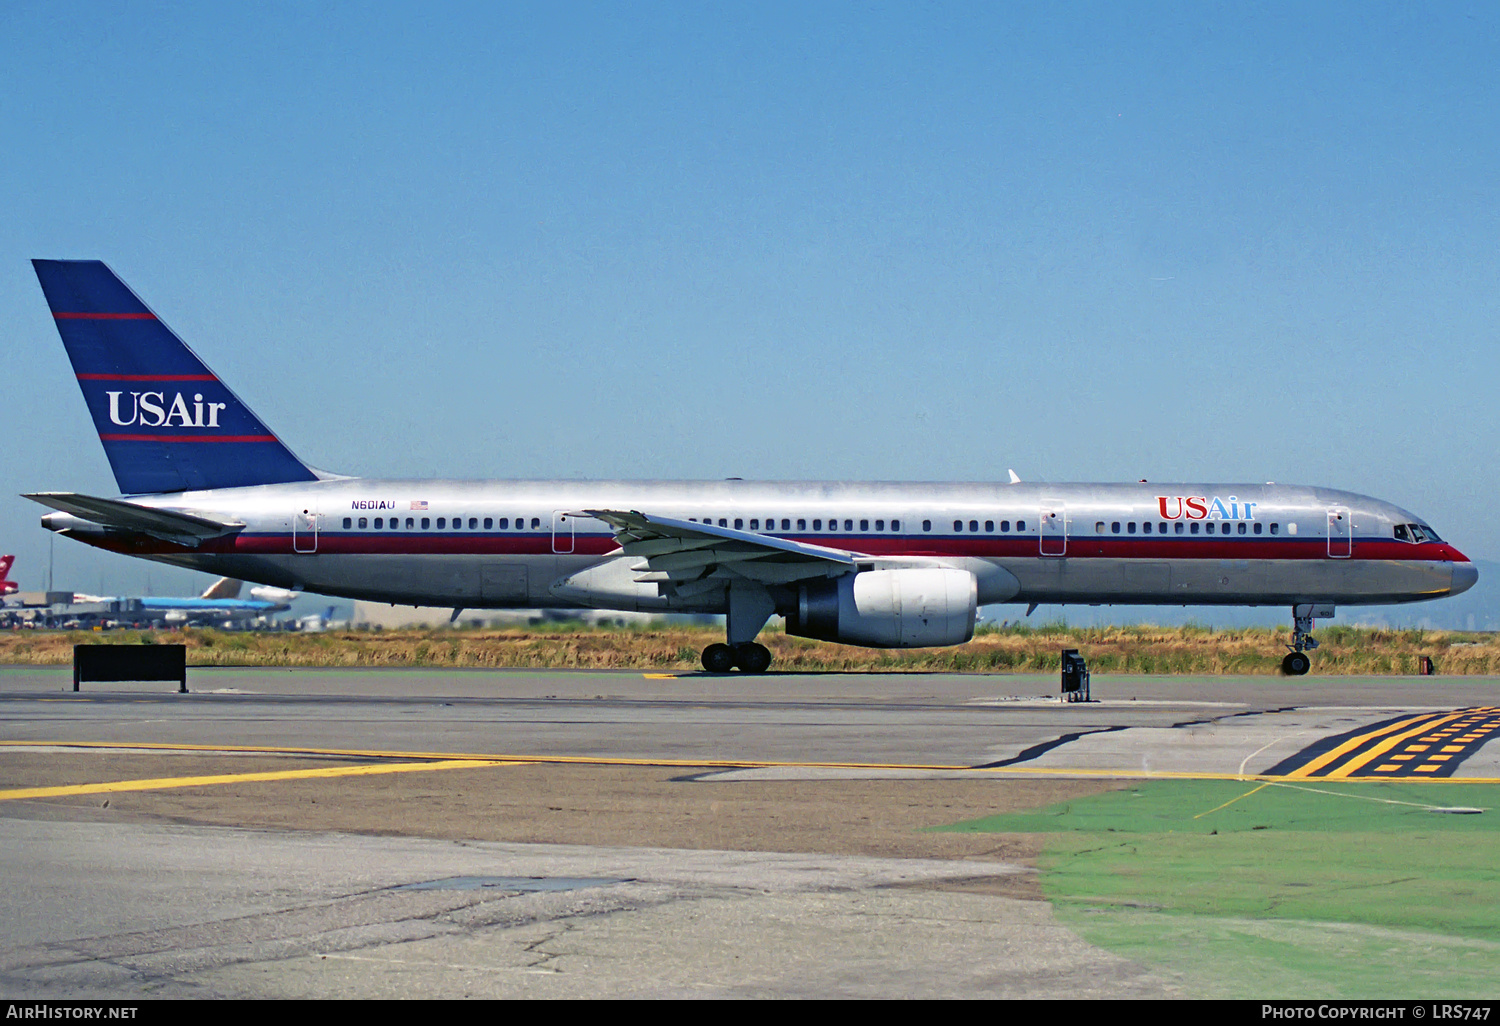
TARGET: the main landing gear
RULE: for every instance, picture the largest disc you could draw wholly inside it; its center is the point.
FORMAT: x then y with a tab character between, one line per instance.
750	606
1296	662
749	656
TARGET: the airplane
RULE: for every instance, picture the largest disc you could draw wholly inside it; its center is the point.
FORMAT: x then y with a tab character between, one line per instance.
7	586
206	485
219	605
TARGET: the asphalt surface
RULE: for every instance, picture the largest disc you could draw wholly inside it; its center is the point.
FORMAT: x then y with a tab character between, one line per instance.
331	833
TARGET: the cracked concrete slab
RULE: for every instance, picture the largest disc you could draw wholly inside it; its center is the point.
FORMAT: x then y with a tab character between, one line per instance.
141	910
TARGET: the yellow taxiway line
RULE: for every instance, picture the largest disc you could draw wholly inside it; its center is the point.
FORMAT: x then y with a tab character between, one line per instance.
165	783
462	760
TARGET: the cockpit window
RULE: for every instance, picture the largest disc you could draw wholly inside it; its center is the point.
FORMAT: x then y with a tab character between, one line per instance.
1417	533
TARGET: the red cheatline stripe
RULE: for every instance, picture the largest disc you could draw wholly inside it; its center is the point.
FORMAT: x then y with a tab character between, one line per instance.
103	316
187	438
146	377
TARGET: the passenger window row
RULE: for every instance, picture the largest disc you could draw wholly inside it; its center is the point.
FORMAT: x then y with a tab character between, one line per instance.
738	523
989	526
1191	527
426	524
1404	532
847	524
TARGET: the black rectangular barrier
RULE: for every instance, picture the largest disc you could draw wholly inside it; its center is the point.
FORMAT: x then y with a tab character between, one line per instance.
130	662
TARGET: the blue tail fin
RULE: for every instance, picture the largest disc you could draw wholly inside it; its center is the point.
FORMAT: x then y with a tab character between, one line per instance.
167	422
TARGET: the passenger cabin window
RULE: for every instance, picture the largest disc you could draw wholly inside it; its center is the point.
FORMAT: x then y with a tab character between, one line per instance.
489	523
1275	528
1020	525
426	523
817	525
879	525
536	522
848	525
1130	527
801	524
1005	526
927	525
1114	528
973	525
989	527
739	523
348	523
786	525
379	523
958	525
895	525
410	523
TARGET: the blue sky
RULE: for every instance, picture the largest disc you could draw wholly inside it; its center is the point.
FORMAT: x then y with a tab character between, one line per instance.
918	241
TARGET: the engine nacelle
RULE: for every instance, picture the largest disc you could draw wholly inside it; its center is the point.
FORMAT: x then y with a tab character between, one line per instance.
919	607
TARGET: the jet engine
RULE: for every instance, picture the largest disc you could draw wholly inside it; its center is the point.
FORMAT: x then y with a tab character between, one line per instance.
909	608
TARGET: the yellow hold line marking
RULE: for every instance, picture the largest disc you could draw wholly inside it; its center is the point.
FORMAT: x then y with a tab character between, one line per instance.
1379	751
165	783
1426	722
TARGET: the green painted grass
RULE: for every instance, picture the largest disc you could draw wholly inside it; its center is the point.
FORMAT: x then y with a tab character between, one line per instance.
1239	890
1205	806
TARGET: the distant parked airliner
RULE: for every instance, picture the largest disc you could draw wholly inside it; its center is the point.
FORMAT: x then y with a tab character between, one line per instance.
208	486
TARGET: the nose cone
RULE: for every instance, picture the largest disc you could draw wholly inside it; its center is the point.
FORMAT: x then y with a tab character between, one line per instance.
1464	576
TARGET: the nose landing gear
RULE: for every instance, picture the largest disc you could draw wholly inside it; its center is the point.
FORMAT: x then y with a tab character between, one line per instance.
1296	662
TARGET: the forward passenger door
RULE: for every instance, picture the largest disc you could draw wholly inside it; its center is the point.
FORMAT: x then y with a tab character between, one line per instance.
1054	530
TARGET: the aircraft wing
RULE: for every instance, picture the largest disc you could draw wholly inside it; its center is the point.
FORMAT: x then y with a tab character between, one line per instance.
169	525
682	550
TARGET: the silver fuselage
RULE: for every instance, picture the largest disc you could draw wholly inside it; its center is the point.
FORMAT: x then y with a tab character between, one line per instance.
442	543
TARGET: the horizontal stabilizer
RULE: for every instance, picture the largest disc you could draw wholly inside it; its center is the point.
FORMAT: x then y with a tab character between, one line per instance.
170	525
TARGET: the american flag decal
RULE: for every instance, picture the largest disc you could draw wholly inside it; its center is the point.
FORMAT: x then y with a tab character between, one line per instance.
419	504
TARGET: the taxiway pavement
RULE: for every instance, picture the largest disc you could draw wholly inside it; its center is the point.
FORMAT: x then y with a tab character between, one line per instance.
372	833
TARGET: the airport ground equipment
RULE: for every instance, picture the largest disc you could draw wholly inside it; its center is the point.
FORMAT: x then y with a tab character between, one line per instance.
130	662
1075	677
